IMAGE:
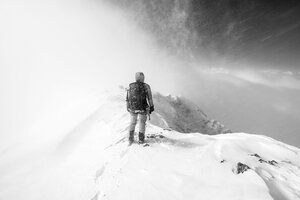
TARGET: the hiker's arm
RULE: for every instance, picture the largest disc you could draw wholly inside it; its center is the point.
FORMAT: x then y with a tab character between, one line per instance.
127	102
127	96
149	95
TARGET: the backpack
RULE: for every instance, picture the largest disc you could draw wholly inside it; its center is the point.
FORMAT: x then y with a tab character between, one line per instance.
137	96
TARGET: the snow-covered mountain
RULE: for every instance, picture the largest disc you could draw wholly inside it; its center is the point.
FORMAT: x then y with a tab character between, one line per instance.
93	161
184	116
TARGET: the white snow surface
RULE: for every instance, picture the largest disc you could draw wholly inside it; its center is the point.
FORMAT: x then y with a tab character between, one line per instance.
92	160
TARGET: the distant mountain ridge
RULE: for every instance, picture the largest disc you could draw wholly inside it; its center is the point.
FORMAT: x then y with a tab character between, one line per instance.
184	116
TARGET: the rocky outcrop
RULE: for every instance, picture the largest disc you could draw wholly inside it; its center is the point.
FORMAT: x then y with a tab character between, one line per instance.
241	168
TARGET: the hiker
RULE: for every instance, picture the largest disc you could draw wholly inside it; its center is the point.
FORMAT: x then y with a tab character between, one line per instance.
139	105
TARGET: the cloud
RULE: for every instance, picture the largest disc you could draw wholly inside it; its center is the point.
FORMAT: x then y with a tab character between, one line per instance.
281	80
270	78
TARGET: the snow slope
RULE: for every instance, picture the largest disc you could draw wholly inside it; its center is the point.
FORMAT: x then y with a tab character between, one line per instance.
93	161
195	166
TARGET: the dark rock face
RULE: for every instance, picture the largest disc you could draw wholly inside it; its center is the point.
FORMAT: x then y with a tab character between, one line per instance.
256	155
271	162
241	168
183	116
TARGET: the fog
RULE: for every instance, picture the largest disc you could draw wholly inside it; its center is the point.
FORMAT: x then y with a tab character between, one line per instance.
54	55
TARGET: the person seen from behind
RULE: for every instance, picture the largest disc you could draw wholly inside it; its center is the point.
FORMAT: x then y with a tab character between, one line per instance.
139	104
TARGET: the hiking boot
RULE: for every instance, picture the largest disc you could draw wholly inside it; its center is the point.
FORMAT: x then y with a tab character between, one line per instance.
141	138
131	137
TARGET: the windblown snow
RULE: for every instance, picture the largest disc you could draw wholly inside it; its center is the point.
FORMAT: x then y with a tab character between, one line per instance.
93	160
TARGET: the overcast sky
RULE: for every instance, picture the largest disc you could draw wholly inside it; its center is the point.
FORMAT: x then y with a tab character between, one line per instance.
265	33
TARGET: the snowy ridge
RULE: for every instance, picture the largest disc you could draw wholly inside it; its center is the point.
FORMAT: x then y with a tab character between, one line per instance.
94	161
198	166
193	166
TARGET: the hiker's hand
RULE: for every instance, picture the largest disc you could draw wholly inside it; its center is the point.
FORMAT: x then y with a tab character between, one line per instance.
151	109
128	109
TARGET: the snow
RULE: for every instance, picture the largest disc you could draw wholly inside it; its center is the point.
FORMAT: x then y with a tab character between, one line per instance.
92	160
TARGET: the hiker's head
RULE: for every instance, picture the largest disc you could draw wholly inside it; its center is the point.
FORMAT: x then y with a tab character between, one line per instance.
139	77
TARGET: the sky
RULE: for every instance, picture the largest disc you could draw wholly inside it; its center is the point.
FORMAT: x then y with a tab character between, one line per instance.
242	71
255	46
263	32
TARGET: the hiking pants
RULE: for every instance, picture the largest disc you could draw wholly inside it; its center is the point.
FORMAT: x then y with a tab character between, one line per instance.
134	117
